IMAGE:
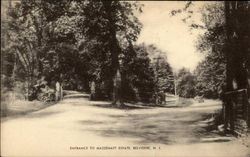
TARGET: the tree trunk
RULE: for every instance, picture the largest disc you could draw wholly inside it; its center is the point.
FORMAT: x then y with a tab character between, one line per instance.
115	51
236	49
117	97
229	67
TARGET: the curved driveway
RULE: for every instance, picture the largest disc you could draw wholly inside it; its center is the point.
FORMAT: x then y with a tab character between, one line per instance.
76	122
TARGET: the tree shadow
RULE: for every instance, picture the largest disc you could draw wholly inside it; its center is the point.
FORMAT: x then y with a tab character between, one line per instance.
166	106
123	107
138	127
75	96
156	128
209	132
40	114
21	114
90	122
145	137
216	140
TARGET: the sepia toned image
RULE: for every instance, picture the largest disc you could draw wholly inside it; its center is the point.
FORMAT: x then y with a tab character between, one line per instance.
125	78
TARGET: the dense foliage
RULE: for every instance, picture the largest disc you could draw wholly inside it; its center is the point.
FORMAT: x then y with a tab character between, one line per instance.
209	76
186	83
210	72
79	42
225	45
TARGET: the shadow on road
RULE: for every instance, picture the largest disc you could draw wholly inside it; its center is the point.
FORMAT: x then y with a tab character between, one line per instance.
41	114
75	96
161	128
33	110
144	124
124	107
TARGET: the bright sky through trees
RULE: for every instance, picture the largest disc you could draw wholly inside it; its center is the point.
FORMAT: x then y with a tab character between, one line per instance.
170	33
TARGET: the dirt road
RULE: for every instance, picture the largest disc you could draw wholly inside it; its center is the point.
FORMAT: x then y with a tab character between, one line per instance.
72	126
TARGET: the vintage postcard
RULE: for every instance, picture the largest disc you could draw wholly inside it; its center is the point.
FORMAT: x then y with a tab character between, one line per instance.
125	78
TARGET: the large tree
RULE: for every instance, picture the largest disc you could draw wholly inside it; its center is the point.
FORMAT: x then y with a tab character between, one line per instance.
138	75
111	26
237	47
164	77
43	39
226	26
210	72
237	51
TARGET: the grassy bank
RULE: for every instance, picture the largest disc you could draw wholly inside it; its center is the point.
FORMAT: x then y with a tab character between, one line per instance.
14	104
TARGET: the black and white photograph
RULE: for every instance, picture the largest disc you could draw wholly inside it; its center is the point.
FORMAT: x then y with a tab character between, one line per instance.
119	78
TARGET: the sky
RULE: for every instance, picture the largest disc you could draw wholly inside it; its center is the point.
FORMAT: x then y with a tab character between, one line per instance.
170	33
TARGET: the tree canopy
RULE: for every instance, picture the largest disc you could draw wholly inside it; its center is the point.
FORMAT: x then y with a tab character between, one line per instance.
79	42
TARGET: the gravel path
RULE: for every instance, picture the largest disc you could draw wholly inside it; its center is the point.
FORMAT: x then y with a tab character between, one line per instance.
75	124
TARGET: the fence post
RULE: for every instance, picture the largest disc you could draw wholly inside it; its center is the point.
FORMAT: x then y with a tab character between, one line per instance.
225	114
245	105
232	115
58	91
61	92
246	108
248	113
92	90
